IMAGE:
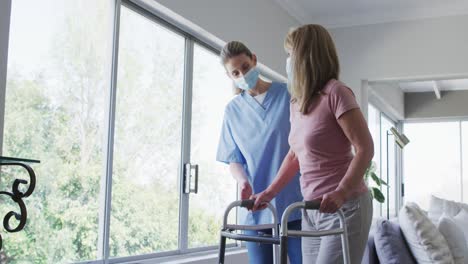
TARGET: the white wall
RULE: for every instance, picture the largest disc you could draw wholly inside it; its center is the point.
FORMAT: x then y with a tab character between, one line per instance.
421	48
453	104
261	24
389	98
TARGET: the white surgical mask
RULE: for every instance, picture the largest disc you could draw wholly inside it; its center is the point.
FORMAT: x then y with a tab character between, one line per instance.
249	80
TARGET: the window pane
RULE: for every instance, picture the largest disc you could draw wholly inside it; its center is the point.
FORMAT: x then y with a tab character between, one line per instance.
465	160
145	194
432	162
374	127
389	190
56	102
212	90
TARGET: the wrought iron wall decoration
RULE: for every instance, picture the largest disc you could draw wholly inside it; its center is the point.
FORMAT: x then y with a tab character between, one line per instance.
17	195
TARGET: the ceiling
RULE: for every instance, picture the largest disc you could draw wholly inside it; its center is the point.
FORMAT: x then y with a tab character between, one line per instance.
342	13
428	86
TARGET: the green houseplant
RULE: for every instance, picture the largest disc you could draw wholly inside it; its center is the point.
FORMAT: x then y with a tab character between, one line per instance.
376	184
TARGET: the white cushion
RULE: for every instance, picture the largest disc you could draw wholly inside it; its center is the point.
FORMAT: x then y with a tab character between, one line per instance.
462	221
426	243
455	238
463	206
439	206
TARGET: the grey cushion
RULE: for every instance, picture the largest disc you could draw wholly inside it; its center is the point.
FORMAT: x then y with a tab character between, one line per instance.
390	244
370	253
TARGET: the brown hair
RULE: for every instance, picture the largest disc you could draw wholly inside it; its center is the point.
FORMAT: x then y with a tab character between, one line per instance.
232	49
314	60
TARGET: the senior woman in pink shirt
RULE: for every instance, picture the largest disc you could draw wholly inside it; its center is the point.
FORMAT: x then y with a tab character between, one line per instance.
326	123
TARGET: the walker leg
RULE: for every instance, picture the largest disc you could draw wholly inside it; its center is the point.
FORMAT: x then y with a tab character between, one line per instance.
284	250
222	249
345	246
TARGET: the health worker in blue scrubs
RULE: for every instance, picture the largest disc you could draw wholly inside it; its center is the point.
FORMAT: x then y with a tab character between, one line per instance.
254	142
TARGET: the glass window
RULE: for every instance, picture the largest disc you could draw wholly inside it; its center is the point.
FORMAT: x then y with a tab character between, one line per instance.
379	126
432	162
389	175
147	147
212	90
57	87
374	128
57	110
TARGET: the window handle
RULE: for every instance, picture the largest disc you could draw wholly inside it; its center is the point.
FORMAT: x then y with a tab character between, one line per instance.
191	179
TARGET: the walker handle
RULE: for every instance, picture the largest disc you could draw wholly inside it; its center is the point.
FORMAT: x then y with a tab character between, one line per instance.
312	205
247	203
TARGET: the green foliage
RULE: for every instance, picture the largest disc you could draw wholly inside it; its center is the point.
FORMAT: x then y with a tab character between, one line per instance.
377	194
57	115
376	180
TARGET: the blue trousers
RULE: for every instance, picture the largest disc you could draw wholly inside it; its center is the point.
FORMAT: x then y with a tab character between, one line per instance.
263	253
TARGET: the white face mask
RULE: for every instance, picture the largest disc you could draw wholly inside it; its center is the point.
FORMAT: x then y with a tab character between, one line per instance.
249	80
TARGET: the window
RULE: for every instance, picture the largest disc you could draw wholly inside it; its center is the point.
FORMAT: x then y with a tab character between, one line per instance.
374	128
464	153
388	171
211	92
379	126
60	108
147	143
55	111
432	162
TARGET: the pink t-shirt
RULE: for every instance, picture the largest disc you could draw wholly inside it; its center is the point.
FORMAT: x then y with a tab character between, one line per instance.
323	150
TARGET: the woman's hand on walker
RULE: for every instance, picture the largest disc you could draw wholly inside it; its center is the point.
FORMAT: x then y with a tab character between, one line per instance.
261	200
332	201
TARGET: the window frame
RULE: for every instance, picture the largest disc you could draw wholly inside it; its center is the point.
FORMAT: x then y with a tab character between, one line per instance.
388	145
398	162
184	198
191	37
376	141
5	15
400	176
460	121
190	41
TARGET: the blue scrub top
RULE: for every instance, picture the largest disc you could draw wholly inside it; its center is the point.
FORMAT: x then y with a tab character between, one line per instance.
256	135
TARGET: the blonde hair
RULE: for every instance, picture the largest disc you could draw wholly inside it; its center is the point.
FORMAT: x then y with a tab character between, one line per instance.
314	62
232	49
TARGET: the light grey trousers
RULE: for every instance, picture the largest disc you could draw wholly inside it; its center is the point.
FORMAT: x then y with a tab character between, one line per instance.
327	249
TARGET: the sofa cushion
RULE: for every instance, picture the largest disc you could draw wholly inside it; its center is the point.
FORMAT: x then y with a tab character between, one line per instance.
438	206
370	253
462	221
454	235
390	244
426	243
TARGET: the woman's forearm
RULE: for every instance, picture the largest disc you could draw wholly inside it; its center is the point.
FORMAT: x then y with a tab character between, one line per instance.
355	128
286	173
289	168
355	173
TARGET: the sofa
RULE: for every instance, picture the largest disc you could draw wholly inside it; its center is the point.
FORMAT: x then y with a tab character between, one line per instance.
439	235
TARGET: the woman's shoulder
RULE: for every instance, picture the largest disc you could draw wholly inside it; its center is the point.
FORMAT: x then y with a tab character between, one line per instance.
336	87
